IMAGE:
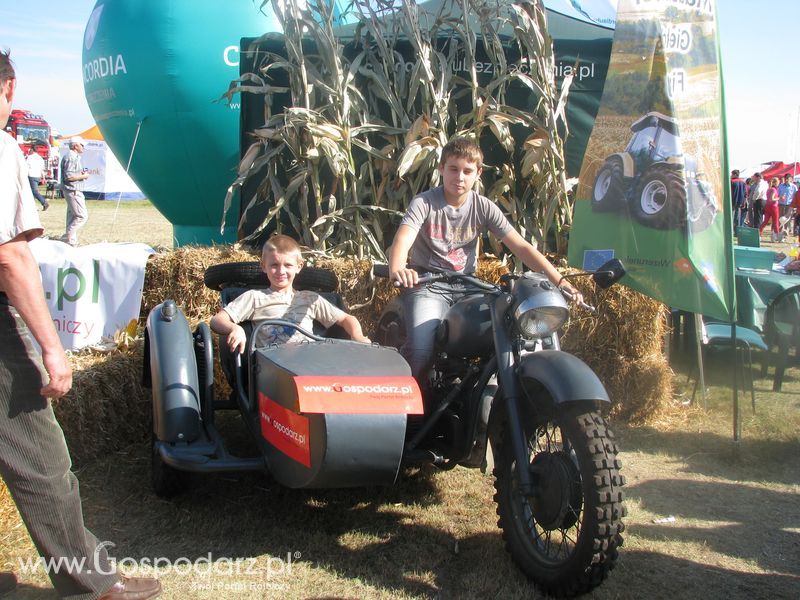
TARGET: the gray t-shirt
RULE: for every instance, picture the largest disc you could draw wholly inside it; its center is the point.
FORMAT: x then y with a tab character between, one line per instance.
447	237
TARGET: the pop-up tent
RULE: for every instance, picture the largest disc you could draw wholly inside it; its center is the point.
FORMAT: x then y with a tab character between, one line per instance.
779	169
107	177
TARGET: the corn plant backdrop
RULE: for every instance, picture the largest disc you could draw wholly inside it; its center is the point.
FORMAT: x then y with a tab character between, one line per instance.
364	122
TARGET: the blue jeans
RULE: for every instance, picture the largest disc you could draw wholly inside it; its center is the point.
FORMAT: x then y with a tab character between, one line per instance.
34	181
424	307
738	216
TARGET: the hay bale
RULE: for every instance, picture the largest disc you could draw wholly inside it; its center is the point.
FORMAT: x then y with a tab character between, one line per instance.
623	342
107	408
178	275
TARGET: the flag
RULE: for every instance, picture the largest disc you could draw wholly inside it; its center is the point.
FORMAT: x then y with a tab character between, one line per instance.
651	190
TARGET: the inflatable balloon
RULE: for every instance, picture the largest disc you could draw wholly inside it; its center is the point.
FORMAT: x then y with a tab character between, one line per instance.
153	73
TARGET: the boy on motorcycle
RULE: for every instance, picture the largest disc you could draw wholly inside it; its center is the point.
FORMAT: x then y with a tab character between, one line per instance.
281	260
440	230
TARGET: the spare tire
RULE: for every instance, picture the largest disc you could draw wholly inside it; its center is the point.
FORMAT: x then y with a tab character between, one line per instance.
249	274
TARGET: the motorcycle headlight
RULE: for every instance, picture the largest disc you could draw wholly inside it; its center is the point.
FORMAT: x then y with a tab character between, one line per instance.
540	308
542	321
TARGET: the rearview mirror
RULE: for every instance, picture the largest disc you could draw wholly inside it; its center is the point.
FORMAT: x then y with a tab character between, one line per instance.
609	273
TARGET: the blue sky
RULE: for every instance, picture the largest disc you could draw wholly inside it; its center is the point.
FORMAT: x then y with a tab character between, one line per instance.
758	44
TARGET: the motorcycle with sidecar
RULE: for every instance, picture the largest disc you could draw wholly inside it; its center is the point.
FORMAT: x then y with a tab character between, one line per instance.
330	412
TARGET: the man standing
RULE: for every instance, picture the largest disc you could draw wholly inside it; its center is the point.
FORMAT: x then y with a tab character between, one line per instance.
35	173
738	198
72	177
757	199
786	191
34	459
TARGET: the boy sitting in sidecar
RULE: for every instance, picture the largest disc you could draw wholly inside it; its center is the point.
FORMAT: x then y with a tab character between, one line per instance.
281	260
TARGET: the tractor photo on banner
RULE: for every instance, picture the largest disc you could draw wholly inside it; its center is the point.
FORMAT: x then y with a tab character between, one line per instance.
650	189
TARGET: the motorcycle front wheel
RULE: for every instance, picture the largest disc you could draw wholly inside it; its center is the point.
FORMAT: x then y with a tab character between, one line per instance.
565	535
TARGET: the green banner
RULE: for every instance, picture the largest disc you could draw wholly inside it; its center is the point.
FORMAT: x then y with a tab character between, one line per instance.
650	189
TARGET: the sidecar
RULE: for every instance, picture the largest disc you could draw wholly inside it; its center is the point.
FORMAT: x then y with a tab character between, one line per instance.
328	412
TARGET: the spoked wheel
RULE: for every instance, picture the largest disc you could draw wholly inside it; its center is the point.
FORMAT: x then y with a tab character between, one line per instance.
564	536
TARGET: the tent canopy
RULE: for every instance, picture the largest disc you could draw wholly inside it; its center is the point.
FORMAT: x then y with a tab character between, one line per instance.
779	169
107	177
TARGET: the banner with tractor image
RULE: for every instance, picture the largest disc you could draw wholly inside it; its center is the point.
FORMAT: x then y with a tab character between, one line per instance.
650	189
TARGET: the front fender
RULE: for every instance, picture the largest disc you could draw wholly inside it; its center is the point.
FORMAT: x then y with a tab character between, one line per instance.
566	377
173	369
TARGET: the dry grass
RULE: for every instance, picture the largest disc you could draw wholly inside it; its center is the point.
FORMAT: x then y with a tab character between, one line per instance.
109	221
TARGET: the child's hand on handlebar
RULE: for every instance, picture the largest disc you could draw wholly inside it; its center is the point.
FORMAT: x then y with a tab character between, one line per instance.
405	277
571	292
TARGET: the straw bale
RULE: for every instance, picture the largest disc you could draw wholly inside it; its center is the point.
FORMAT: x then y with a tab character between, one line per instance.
178	275
623	342
107	407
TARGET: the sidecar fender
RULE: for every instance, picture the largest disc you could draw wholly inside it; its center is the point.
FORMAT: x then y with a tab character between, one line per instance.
566	377
171	363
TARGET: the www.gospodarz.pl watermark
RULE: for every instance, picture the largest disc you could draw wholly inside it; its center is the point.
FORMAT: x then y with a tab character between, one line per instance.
203	566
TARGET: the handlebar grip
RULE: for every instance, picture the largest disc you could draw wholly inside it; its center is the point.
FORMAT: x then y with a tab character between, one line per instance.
380	270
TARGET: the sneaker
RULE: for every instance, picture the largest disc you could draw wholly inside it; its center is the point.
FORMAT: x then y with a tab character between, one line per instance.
45	206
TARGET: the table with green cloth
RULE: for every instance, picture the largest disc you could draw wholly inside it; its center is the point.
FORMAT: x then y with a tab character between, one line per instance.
755	290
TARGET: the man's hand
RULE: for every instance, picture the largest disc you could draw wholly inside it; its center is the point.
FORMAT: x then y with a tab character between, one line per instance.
405	277
60	372
237	339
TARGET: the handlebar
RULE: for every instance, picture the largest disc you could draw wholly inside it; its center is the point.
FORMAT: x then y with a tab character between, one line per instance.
580	304
382	270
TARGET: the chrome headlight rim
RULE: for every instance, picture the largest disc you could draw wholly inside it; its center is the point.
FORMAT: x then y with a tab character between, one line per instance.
540	308
539	321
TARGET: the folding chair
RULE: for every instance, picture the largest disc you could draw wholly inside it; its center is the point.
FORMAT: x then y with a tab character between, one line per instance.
719	335
782	331
748	236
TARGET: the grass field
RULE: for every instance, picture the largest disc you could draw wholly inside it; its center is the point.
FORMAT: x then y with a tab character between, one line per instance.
735	532
110	221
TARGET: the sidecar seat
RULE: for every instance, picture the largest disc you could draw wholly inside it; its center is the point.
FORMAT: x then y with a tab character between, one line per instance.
226	357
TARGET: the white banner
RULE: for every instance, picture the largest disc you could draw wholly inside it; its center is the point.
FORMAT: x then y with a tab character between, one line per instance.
92	291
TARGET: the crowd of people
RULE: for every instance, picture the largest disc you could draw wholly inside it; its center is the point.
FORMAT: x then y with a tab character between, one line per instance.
758	203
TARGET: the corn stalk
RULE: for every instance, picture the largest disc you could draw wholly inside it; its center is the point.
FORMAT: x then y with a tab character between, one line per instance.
369	112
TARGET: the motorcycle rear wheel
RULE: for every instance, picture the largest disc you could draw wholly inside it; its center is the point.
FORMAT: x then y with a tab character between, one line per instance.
565	536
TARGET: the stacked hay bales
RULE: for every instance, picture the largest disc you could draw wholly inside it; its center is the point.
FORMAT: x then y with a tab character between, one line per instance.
108	408
623	342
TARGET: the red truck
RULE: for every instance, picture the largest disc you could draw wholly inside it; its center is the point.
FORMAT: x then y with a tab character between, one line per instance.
30	129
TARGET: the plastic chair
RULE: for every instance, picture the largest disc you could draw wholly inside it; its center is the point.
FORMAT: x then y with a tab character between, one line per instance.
782	331
719	335
748	236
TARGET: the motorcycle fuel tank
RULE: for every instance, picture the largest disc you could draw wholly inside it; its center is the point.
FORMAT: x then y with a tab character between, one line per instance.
466	329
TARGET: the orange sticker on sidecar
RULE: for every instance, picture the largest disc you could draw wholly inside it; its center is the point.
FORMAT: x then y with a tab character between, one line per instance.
358	395
284	429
